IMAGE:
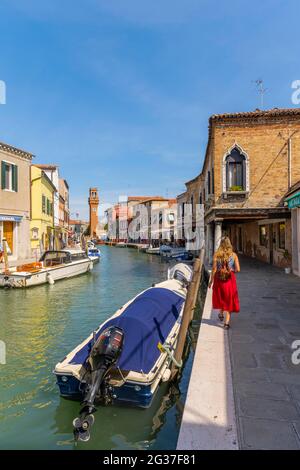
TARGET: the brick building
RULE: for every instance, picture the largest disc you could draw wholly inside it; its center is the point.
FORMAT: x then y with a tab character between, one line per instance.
252	160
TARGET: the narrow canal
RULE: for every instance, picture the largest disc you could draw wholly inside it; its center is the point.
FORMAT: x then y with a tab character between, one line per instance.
42	324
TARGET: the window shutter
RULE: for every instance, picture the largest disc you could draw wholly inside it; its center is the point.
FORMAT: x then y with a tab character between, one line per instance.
43	204
3	175
15	178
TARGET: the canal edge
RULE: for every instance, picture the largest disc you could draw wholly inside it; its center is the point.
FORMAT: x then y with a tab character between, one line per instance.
209	418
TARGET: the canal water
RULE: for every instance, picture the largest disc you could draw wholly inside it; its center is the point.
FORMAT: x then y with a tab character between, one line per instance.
40	325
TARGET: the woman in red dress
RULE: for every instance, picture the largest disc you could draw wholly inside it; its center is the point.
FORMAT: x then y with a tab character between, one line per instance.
225	293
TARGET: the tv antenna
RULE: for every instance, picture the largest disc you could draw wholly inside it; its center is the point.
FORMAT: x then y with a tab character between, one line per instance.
261	90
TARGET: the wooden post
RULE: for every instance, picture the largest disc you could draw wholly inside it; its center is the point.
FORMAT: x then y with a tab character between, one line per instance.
198	280
188	311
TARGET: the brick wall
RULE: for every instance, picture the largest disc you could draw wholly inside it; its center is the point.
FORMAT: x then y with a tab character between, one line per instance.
266	145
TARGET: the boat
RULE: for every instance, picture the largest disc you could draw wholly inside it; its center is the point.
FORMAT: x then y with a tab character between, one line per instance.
121	245
126	358
53	266
175	253
153	251
94	254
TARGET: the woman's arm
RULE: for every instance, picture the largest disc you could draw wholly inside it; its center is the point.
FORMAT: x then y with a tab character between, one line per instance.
236	263
213	272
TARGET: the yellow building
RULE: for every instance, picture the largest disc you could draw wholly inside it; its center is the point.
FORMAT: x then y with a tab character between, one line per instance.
41	224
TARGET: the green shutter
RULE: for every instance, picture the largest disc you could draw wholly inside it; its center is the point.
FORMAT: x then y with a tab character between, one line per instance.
14	178
3	175
43	204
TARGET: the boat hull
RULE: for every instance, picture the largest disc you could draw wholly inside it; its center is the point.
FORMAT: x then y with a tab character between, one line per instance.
130	394
24	279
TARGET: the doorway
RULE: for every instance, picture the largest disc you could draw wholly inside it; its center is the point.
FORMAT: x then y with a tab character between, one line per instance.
239	240
8	233
272	238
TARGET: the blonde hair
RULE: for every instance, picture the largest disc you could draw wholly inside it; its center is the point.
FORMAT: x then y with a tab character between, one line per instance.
225	250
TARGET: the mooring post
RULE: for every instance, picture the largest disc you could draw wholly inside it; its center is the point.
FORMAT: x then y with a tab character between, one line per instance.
198	280
188	311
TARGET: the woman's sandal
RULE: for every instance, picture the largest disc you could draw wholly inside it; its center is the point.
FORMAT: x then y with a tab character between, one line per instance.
221	316
226	326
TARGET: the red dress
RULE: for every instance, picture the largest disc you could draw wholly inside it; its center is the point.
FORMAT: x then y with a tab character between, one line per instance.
225	294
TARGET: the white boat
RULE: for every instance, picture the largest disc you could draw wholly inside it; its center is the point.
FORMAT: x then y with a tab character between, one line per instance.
153	251
53	266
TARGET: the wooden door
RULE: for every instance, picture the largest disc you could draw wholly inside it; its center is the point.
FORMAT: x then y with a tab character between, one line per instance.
8	233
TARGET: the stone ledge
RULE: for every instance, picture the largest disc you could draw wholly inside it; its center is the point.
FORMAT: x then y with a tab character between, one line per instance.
209	420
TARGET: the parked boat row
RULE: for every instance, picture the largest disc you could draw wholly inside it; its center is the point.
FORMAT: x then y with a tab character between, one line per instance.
124	360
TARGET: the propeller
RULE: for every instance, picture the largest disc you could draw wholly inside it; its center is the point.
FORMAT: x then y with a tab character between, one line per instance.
81	427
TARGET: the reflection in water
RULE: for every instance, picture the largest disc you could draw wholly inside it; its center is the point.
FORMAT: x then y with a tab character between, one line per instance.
40	325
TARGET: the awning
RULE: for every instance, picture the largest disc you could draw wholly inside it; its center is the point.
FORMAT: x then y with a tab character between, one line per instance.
294	200
10	218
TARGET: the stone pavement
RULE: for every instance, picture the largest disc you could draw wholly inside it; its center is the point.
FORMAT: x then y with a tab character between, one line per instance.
266	384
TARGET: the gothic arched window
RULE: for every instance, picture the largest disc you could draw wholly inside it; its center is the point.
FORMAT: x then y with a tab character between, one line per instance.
235	171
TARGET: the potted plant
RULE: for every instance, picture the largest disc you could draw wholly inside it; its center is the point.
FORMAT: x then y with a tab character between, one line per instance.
288	258
236	188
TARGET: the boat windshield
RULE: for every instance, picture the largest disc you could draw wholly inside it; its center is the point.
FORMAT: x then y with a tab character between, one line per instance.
54	258
78	256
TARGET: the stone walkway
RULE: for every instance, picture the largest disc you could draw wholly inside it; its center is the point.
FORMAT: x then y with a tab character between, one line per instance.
266	384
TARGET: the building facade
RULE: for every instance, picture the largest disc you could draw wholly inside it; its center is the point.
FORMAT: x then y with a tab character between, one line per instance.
15	201
142	219
42	212
64	211
77	228
293	202
252	160
52	171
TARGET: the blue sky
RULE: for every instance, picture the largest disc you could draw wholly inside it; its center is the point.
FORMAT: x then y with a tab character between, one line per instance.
119	92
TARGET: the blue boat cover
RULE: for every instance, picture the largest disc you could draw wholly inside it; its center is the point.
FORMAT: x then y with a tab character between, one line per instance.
145	322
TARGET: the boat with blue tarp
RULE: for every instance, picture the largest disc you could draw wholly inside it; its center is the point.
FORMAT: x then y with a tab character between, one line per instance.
126	358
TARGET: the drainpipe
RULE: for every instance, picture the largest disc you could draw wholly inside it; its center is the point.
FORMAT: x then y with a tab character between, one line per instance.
289	163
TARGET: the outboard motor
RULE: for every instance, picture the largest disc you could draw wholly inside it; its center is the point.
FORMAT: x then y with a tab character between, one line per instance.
104	354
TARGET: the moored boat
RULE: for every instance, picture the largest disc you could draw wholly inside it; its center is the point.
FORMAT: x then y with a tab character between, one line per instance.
94	254
153	251
175	253
53	266
124	360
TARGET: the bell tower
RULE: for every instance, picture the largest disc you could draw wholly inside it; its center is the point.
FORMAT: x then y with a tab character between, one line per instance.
94	204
